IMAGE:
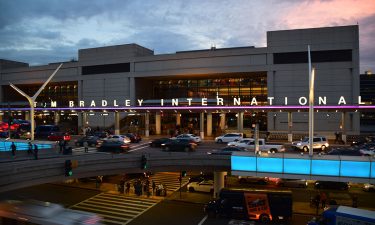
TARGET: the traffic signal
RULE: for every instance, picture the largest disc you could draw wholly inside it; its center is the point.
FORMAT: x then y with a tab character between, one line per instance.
143	162
68	168
183	173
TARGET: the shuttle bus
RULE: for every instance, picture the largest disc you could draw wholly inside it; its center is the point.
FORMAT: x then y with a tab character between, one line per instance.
31	212
253	204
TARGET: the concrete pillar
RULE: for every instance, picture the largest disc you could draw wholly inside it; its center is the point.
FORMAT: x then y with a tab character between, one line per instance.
147	124
342	127
240	122
178	119
132	89
157	123
222	121
219	182
201	125
84	122
56	118
209	124
290	124
117	123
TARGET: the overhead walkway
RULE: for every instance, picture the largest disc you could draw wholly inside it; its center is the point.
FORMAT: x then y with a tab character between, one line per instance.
318	167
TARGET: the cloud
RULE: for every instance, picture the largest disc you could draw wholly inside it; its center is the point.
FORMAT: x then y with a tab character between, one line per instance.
41	27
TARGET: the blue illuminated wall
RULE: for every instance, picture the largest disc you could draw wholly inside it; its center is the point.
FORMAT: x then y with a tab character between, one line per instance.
315	167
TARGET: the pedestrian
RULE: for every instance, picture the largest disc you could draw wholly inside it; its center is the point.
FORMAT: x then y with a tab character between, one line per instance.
13	148
86	146
30	148
323	199
127	191
61	145
355	201
317	202
153	187
36	151
122	186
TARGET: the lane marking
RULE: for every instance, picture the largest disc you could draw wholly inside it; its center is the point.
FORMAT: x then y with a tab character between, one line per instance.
202	221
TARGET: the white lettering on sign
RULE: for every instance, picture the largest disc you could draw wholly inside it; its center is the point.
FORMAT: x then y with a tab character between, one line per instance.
302	100
341	101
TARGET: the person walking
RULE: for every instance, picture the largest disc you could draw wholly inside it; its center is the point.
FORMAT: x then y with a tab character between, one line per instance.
86	146
30	148
317	202
127	190
36	151
323	199
153	187
61	145
13	147
355	201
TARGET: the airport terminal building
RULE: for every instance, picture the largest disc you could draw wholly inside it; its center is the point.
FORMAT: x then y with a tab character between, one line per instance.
209	91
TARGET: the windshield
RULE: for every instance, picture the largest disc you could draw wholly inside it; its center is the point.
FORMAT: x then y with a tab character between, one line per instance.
306	139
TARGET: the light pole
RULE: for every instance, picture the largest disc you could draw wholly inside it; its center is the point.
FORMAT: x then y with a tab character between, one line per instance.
33	98
311	104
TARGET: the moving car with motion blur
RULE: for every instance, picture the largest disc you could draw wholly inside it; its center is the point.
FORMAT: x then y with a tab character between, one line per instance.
202	186
134	138
226	151
91	141
184	145
293	183
190	137
113	146
236	143
331	185
158	142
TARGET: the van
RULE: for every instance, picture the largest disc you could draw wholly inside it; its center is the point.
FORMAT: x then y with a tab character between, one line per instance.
253	204
43	131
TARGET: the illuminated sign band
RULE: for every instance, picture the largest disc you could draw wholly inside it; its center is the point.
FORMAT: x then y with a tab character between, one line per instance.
175	102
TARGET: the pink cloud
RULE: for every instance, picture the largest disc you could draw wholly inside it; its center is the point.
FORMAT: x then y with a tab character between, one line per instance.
327	13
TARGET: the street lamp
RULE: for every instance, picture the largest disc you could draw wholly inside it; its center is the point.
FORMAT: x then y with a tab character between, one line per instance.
33	98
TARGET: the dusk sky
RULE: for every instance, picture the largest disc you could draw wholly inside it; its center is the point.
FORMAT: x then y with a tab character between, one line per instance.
45	31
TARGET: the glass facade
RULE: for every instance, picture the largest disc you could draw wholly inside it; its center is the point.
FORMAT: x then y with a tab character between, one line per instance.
245	87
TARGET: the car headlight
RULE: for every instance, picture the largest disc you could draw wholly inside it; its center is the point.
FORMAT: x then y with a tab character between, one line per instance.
299	144
162	144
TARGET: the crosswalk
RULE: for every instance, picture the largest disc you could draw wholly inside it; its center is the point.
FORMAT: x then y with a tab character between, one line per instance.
170	180
116	209
81	150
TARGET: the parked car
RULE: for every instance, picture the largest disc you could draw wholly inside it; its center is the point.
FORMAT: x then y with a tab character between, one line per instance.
120	138
226	151
228	138
367	149
202	186
158	142
253	180
368	187
43	131
319	142
91	141
134	138
59	136
191	137
331	185
344	151
113	146
293	183
185	145
243	140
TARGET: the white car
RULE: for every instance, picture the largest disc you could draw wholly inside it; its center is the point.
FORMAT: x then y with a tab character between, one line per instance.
236	143
202	186
319	142
192	137
120	138
228	137
367	149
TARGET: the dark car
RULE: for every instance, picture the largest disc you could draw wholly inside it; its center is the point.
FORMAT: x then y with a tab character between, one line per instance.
113	146
158	142
331	185
226	151
344	151
179	145
101	134
253	180
43	131
91	141
134	138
